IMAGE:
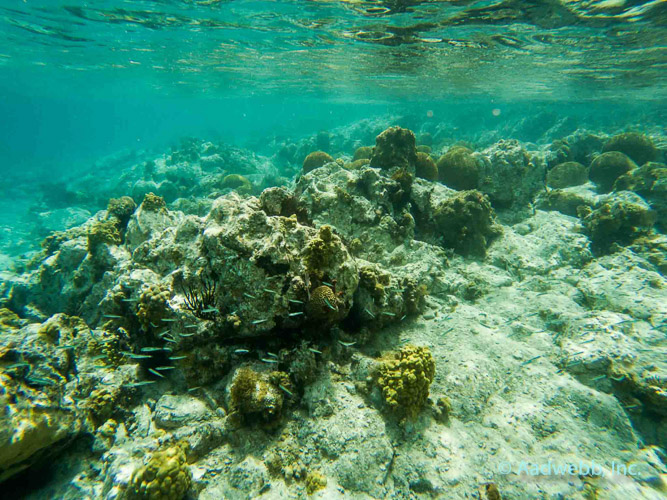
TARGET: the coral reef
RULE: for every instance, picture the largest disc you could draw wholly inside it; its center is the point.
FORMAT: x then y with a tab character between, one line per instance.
404	378
650	182
638	147
315	160
608	167
165	475
395	147
621	219
257	395
458	169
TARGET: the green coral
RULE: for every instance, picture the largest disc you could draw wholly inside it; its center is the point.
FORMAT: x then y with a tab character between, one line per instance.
315	481
316	159
404	378
425	167
608	167
638	147
104	232
569	173
458	169
153	305
237	182
165	476
153	203
363	153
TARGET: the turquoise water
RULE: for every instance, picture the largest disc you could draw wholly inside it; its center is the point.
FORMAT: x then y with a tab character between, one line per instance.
205	264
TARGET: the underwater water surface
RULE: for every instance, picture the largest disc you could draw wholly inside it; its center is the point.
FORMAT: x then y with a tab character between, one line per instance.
333	249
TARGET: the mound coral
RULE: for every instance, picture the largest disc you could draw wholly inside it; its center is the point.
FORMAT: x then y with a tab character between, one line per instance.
425	167
165	476
404	379
363	153
608	167
395	147
315	160
458	169
638	147
570	173
237	182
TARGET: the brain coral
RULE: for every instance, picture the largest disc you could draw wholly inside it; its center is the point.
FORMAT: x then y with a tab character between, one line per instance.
323	303
638	147
458	169
608	167
404	379
425	167
569	173
315	160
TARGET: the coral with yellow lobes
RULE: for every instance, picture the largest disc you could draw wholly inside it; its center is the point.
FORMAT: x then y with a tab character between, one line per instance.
153	305
153	203
315	481
103	232
319	250
166	476
404	379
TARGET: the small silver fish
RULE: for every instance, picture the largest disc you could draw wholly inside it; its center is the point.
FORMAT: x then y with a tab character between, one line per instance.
156	373
259	321
151	349
211	310
176	358
346	344
135	356
249	296
311	349
295	314
164	368
241	351
112	316
286	390
269	360
145	382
